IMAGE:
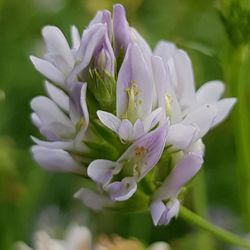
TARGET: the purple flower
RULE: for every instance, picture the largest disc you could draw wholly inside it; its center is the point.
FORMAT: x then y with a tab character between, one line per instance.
165	204
133	165
134	98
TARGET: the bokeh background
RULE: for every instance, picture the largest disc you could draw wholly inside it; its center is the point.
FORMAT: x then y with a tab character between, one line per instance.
31	198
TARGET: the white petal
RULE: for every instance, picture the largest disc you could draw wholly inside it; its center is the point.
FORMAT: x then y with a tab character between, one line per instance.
53	144
56	42
58	96
91	39
224	106
75	37
92	199
180	136
36	120
203	117
109	120
138	129
48	70
55	159
159	246
78	238
48	112
81	134
210	92
185	169
165	49
134	68
122	190
101	171
126	131
152	119
184	74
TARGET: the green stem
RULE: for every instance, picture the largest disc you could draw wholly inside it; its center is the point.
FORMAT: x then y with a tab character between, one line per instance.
204	240
220	233
236	70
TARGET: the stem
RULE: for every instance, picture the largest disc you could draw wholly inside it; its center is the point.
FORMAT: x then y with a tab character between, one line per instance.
204	240
220	233
236	70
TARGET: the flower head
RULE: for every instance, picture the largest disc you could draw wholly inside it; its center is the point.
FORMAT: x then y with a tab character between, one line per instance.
122	115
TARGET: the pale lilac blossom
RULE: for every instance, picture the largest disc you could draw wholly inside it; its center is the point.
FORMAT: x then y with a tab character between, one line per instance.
117	112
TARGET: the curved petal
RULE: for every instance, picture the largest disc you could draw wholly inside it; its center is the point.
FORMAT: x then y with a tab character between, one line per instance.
210	92
92	199
121	29
54	144
91	40
75	37
180	136
134	70
203	117
165	49
126	131
122	190
36	120
48	70
185	88
161	213
166	97
102	171
185	169
109	120
223	106
58	96
138	129
48	112
147	149
55	159
57	43
152	119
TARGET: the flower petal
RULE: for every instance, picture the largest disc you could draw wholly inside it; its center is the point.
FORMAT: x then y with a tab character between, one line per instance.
48	70
180	136
134	69
210	92
185	86
54	144
152	119
121	28
166	97
165	49
91	40
122	190
185	170
56	43
48	112
126	131
101	171
224	106
109	120
148	148
55	159
92	199
203	117
58	96
75	37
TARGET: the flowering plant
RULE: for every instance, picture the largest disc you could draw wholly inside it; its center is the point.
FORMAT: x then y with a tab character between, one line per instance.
123	116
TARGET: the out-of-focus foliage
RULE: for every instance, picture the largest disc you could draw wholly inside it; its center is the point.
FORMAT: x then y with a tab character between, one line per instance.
27	191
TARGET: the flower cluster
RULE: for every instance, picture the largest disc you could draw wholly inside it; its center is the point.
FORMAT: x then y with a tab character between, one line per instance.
79	237
124	116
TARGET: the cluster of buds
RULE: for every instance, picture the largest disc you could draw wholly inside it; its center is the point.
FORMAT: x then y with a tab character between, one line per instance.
123	116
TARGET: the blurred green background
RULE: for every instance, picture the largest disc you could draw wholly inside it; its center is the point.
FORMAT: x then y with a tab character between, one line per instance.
31	197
